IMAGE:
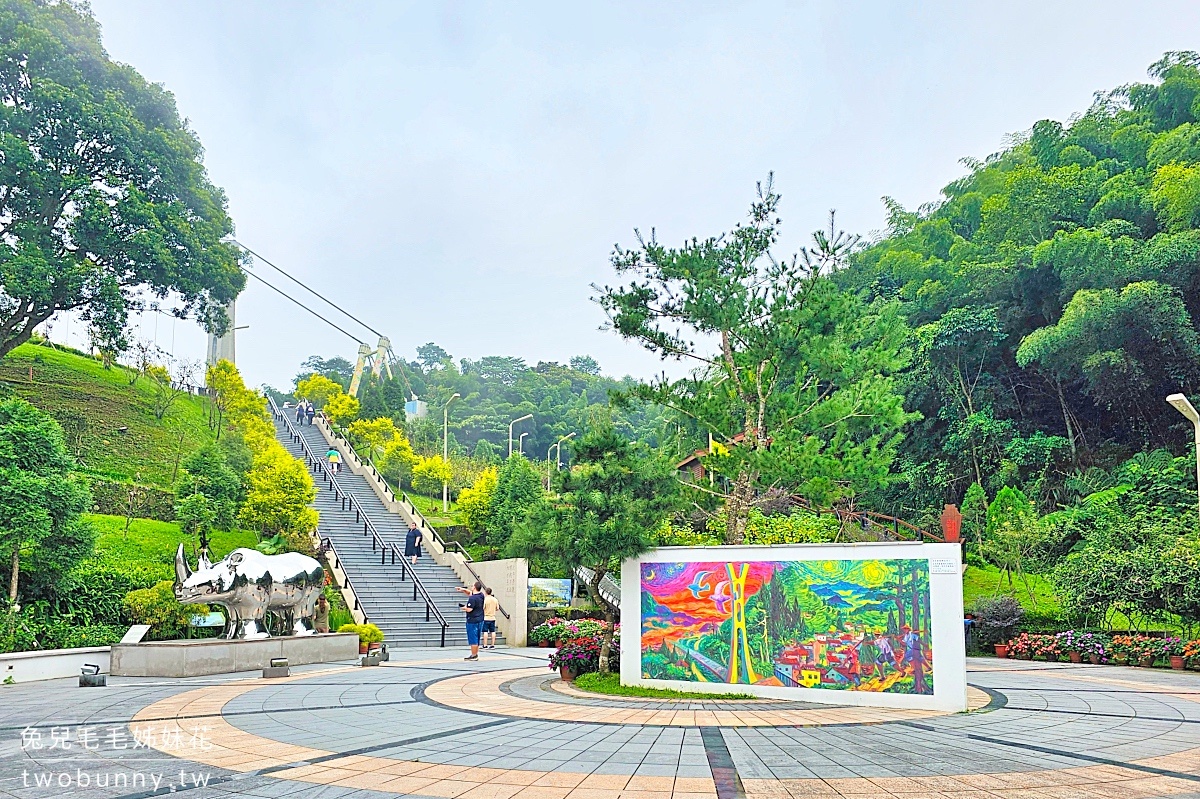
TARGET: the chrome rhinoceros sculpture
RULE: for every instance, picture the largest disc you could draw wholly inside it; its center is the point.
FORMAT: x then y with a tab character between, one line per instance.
248	584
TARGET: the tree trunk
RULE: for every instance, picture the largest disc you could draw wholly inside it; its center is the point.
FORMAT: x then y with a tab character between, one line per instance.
609	617
1062	403
16	570
737	509
17	332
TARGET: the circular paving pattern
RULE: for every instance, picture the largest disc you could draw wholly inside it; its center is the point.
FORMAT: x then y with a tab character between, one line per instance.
531	694
438	728
413	728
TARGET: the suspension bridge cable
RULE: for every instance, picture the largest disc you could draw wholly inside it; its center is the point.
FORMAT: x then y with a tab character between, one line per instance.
302	305
299	283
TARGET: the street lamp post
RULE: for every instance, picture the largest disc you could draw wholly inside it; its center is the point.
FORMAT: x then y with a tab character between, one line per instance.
521	444
1181	404
510	430
446	449
557	446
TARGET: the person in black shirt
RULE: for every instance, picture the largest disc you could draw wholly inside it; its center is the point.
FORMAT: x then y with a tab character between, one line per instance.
473	607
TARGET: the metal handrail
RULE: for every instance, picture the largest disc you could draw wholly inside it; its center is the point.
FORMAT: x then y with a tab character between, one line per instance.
411	508
348	502
327	545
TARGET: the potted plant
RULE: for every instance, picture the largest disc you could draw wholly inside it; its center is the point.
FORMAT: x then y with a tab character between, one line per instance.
576	656
372	635
1068	641
1137	650
547	633
1045	647
1093	647
369	636
996	617
1191	654
1174	648
1021	647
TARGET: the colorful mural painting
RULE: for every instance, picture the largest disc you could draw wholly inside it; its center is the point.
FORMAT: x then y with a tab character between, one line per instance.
853	625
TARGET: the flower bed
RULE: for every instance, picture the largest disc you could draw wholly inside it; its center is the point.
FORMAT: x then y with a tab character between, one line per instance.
581	655
1135	650
556	629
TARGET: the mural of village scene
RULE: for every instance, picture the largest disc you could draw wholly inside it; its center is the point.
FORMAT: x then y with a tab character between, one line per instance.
856	625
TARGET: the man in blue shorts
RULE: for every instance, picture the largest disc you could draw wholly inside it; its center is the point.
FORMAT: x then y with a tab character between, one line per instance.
473	607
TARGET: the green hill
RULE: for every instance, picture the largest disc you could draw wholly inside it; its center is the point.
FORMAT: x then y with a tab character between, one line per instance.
110	425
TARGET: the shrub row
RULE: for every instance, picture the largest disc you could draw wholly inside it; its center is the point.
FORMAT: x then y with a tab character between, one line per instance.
112	497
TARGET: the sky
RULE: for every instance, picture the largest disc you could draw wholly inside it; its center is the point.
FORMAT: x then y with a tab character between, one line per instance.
459	172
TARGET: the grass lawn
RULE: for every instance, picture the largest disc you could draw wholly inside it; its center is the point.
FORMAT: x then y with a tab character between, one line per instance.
97	402
981	582
150	545
987	581
597	683
431	509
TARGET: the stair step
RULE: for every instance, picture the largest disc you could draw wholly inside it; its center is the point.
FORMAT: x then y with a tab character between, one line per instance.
386	599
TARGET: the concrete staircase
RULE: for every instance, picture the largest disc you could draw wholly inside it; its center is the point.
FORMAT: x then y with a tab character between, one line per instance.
385	590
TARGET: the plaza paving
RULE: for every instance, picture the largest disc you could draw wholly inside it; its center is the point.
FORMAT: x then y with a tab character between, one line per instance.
429	724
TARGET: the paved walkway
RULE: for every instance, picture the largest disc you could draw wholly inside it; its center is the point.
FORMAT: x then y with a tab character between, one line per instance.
430	725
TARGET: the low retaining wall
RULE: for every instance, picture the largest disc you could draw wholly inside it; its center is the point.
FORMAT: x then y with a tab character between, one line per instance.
51	664
219	656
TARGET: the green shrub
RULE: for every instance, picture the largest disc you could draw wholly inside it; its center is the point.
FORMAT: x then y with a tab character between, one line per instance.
158	607
112	497
367	633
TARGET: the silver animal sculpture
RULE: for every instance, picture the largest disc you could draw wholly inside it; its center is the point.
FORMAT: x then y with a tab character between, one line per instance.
248	584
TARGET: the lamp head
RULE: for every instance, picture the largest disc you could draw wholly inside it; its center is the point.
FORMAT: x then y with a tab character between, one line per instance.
1181	404
523	418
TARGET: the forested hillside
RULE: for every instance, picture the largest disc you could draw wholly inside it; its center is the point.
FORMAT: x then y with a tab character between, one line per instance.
493	391
1054	295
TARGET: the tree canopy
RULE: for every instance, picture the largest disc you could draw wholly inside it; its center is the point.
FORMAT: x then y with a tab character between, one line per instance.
40	499
104	200
794	377
611	501
1053	292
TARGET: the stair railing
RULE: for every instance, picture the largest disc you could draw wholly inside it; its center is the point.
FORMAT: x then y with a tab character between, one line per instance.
348	503
402	498
411	508
327	545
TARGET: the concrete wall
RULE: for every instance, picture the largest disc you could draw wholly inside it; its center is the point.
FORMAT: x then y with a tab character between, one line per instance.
218	656
51	664
945	626
509	581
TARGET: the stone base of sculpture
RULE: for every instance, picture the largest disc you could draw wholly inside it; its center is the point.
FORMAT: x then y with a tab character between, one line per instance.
220	656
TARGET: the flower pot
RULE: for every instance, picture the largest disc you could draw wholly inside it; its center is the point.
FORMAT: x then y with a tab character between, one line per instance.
1075	656
1001	650
362	647
566	673
1177	662
1094	660
1146	661
544	644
